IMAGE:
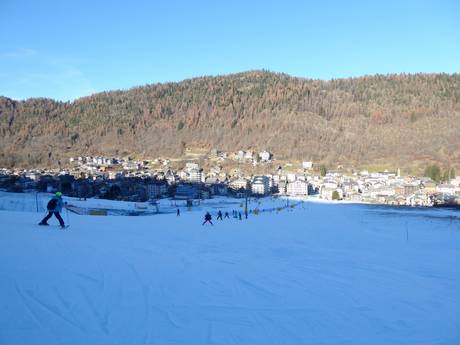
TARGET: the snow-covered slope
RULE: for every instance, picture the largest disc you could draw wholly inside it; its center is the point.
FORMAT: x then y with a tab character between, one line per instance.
315	274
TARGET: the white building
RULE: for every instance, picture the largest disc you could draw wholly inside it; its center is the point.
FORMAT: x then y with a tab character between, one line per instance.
455	182
183	175
239	183
297	187
248	155
265	156
330	184
291	177
300	177
446	188
307	165
195	175
190	166
260	185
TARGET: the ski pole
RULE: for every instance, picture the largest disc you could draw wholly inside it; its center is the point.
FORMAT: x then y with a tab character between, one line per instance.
67	215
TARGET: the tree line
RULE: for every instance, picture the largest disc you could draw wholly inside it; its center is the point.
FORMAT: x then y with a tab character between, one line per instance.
404	119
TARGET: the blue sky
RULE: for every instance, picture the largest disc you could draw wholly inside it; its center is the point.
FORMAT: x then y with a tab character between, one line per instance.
68	49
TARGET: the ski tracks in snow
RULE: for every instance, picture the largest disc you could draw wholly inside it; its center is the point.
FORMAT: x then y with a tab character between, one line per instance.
146	301
101	318
37	306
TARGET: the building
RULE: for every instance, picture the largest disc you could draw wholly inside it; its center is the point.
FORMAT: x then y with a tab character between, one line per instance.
446	189
260	185
265	156
291	177
455	182
156	190
239	183
248	155
307	165
297	187
329	184
218	189
190	166
419	199
195	175
282	187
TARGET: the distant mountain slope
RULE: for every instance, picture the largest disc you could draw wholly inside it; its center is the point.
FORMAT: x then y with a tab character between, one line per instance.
372	119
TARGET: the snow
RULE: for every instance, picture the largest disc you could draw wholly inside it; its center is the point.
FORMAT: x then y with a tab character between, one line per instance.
313	274
33	201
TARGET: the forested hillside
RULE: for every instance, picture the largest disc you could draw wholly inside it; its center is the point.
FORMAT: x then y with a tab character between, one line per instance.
399	119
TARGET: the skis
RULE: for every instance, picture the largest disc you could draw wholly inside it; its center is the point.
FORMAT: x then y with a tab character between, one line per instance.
62	227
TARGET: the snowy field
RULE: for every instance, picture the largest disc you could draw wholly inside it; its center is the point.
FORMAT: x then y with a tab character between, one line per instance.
314	274
33	202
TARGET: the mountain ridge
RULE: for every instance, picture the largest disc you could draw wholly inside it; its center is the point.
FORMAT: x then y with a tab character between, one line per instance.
397	118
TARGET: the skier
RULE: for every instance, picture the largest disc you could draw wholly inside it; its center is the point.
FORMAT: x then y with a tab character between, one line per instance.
207	218
226	215
178	213
219	215
239	215
54	207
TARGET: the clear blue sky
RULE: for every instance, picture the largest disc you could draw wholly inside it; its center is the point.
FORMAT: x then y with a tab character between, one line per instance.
68	49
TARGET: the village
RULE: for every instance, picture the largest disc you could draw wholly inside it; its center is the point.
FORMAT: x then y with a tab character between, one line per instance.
238	174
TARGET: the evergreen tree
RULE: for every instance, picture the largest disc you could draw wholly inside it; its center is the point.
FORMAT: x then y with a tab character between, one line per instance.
335	195
434	172
323	170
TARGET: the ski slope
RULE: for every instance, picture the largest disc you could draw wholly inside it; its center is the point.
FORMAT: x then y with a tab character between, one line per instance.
314	274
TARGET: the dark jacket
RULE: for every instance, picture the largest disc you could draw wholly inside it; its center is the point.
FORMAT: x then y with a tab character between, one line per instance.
59	204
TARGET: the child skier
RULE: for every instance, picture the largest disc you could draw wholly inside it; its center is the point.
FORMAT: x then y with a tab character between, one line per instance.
207	218
219	215
54	207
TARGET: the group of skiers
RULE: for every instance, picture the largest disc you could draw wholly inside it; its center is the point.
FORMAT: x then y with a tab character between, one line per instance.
56	204
221	216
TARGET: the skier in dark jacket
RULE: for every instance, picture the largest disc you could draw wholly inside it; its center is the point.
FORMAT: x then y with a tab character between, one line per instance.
178	213
207	218
54	207
219	215
226	215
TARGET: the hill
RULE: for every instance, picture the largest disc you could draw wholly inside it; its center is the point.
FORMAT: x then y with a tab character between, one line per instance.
398	119
316	274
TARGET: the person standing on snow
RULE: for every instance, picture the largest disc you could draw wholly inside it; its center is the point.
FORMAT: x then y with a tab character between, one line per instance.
54	207
207	218
219	215
178	213
226	215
